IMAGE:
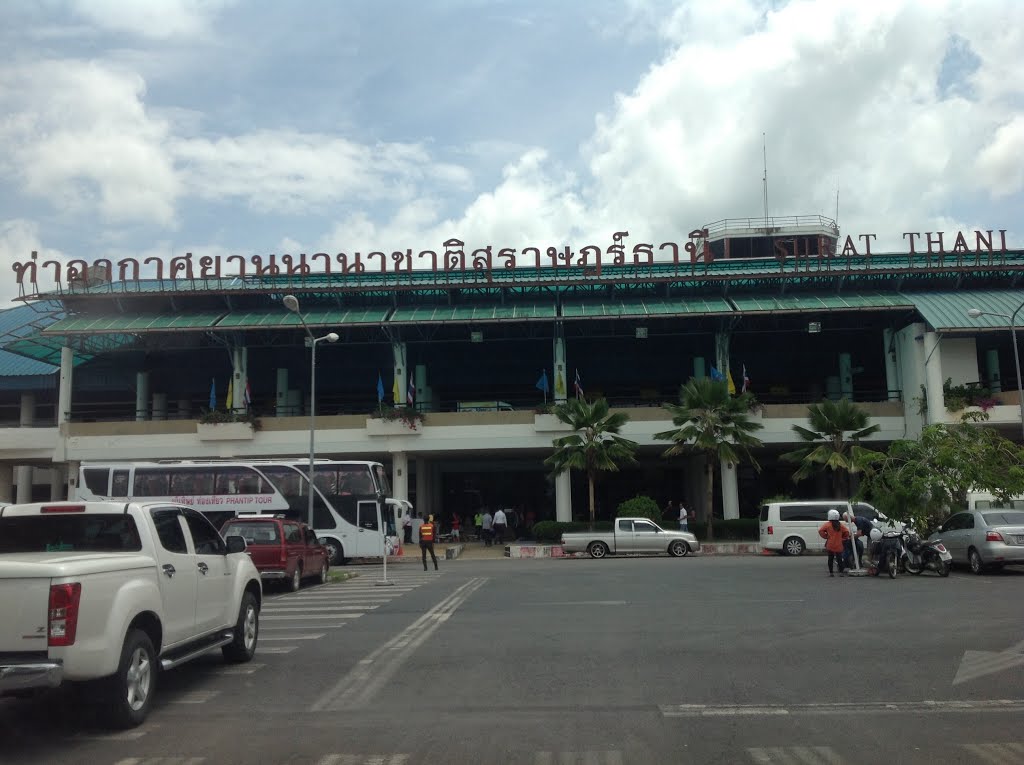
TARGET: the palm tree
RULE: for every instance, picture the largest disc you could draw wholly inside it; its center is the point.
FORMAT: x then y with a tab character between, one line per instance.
830	448
710	421
595	445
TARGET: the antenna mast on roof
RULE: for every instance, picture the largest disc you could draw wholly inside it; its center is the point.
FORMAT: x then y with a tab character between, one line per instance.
764	154
837	201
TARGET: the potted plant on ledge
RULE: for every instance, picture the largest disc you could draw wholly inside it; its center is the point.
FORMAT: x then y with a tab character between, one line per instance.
394	420
215	425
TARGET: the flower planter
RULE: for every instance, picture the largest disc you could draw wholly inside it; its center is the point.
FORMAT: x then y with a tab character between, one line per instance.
224	431
375	426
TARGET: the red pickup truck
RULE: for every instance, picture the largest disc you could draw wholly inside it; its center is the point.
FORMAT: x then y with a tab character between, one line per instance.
282	549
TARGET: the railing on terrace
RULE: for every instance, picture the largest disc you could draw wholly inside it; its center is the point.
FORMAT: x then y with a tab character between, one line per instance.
771	224
124	410
45	416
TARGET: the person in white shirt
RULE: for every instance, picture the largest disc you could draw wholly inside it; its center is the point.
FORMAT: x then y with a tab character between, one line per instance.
407	527
684	518
486	528
500	523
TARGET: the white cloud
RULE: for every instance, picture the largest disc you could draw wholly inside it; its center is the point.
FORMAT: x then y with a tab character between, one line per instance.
19	238
156	19
999	163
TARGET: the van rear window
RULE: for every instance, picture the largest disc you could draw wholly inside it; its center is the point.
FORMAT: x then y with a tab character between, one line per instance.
253	533
803	513
764	513
69	533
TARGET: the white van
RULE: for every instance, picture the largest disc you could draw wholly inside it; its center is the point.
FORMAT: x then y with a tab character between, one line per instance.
980	500
791	527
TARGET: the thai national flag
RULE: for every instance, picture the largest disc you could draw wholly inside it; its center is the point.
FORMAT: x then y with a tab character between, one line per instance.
578	385
746	380
410	394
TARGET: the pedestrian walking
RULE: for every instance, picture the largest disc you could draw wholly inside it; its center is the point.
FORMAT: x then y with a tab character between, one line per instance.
478	525
456	525
835	534
684	518
407	527
485	528
499	524
427	535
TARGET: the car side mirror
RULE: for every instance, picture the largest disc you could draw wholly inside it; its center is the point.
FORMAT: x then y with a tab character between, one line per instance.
235	544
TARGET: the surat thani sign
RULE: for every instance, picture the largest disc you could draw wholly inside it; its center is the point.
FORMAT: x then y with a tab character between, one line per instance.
485	260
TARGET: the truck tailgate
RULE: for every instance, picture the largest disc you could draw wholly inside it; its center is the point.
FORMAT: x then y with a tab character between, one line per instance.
24	604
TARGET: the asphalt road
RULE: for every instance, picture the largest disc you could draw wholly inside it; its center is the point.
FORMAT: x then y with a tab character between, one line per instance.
553	662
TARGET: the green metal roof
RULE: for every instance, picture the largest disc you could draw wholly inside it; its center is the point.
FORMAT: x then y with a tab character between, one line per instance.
948	310
287	319
82	325
518	311
795	302
649	307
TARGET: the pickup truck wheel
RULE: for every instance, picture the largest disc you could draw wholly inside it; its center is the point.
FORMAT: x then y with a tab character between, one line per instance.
335	552
597	549
296	581
247	632
323	574
678	549
129	692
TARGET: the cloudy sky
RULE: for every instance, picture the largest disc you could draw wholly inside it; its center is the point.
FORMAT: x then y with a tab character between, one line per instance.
221	127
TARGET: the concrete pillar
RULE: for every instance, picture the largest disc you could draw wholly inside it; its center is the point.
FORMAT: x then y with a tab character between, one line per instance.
28	409
995	383
294	403
24	484
58	483
722	353
67	366
933	378
72	472
699	368
400	380
281	400
6	482
730	491
424	475
400	475
560	383
424	394
141	396
893	383
846	376
563	497
159	406
436	494
184	408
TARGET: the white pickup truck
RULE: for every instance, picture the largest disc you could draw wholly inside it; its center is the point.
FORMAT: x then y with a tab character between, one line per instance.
631	536
115	592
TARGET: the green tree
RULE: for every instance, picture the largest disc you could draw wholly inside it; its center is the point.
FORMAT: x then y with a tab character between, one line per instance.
639	507
919	481
711	422
829	448
594	446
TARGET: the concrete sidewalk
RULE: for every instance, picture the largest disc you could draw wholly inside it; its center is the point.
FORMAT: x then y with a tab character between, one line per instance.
479	551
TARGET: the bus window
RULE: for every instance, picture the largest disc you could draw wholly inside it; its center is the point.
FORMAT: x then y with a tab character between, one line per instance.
240	480
293	486
383	484
96	480
197	481
151	482
119	484
368	515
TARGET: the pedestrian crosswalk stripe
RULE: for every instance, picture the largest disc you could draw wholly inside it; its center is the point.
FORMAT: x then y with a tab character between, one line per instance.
300	636
613	757
997	754
364	759
318	609
795	755
277	648
240	669
195	697
310	616
162	761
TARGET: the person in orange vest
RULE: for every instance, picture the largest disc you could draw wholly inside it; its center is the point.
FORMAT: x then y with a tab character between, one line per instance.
427	535
835	534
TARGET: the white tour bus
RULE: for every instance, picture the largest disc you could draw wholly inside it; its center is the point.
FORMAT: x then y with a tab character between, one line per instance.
351	519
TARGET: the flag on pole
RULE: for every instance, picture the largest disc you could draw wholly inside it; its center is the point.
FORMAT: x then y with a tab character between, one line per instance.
380	388
746	380
559	383
247	396
577	385
542	383
716	375
396	392
229	399
213	394
410	394
732	385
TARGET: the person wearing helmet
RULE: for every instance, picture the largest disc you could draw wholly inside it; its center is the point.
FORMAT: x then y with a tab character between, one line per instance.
864	526
835	534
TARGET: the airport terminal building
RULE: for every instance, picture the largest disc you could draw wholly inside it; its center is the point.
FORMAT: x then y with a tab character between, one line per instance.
123	360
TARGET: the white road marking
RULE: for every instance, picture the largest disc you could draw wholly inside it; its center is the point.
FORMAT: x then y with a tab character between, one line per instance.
364	759
195	697
277	648
128	735
162	761
317	609
272	628
795	755
581	603
578	758
241	669
357	687
843	708
310	616
310	636
975	664
997	754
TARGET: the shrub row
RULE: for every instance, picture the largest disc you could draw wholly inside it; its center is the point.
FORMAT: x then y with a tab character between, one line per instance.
734	528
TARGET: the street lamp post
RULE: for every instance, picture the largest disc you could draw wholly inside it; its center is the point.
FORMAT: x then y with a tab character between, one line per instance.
974	313
292	304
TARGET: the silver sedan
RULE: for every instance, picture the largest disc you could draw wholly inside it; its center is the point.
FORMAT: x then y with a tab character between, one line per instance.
984	538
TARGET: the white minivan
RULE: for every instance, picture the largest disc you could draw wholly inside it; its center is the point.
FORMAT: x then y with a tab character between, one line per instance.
791	526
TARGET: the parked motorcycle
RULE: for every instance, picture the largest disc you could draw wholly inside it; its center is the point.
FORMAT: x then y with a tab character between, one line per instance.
889	552
923	555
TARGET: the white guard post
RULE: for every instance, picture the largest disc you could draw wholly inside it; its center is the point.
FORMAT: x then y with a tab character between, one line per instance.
388	549
856	570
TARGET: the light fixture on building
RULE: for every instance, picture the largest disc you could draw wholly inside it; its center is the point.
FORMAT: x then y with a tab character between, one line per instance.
641	333
476	337
814	327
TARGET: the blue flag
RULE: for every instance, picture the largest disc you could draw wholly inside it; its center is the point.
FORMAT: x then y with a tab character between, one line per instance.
213	394
380	388
716	375
542	383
